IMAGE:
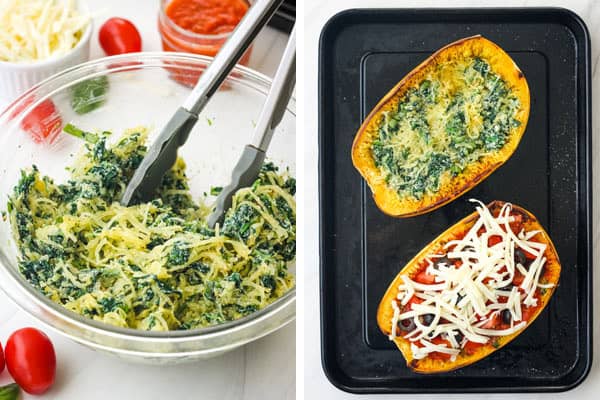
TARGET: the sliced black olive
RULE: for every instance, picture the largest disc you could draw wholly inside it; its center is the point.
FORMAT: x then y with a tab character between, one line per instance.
506	317
426	319
508	287
459	298
443	260
459	337
407	325
520	257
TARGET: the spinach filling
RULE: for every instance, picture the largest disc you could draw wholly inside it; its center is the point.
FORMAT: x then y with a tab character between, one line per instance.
157	265
437	129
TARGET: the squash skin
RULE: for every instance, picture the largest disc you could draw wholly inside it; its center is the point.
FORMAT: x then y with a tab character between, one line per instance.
427	365
386	198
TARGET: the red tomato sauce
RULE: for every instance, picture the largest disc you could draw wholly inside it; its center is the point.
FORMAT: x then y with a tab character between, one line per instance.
207	17
199	27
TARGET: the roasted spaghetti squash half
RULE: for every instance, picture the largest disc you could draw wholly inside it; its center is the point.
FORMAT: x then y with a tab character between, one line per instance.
443	128
472	290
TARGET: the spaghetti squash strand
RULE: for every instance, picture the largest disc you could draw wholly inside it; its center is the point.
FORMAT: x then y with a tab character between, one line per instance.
157	265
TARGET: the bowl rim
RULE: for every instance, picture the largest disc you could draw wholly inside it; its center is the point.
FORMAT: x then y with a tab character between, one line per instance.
103	328
84	40
126	62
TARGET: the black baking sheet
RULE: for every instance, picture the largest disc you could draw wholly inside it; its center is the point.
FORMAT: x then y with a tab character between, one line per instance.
363	53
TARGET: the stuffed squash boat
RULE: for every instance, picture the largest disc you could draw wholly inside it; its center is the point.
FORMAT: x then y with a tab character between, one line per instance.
472	290
444	128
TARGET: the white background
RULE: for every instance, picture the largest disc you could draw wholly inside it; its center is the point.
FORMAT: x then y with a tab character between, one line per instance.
317	12
264	369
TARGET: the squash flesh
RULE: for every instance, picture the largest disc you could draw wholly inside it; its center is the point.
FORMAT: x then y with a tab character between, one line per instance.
366	148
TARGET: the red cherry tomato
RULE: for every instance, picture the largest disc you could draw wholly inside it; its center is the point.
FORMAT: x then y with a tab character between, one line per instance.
43	122
31	360
119	36
1	359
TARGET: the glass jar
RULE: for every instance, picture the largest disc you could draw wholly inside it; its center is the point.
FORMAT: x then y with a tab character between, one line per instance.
175	38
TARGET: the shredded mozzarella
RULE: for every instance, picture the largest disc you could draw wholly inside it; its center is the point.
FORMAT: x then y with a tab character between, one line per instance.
39	29
463	302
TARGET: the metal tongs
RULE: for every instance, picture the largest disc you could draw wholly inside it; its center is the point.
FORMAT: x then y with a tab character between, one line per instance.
163	152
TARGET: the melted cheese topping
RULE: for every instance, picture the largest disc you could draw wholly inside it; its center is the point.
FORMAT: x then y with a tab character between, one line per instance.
39	29
463	302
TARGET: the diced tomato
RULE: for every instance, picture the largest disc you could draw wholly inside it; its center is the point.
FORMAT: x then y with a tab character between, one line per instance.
517	224
471	347
494	240
42	123
528	255
527	312
439	340
518	279
425	278
437	355
413	300
494	322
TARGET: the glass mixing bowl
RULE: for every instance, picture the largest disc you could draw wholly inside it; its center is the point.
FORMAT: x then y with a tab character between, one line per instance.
144	90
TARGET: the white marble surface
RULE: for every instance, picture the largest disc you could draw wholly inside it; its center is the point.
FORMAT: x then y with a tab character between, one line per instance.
264	369
316	13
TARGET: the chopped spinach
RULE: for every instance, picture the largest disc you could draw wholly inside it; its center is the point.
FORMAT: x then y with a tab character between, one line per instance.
215	190
88	95
268	281
398	152
179	254
236	278
108	304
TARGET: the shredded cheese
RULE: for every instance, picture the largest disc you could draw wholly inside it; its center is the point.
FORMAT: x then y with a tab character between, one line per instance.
39	29
463	302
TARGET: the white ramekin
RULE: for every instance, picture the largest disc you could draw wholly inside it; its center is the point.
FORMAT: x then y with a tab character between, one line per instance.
15	78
